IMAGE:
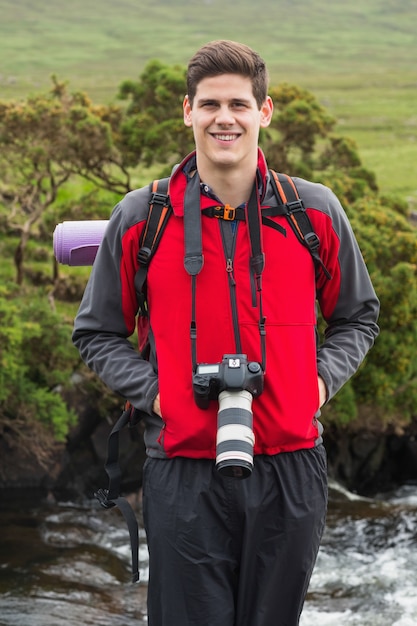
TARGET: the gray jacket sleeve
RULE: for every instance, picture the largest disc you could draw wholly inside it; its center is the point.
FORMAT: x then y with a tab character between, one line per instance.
101	330
348	301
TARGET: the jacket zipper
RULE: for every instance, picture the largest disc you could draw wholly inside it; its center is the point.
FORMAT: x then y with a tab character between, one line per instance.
229	252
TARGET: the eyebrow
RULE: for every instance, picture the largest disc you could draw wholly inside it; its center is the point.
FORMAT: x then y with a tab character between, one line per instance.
201	101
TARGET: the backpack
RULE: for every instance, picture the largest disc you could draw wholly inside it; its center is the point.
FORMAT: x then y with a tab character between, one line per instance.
290	205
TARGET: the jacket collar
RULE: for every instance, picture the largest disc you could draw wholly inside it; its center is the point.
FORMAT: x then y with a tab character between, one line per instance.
179	179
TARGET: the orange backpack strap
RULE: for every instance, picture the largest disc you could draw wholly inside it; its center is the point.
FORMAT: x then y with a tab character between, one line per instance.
158	215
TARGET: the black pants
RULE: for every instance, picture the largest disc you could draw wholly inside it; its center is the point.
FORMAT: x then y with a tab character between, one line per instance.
231	552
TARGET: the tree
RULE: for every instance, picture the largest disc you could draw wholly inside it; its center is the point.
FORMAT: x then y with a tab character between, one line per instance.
43	142
300	141
29	181
388	382
153	131
297	124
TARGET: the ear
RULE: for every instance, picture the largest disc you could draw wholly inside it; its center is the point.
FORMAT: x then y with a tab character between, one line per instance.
267	110
187	112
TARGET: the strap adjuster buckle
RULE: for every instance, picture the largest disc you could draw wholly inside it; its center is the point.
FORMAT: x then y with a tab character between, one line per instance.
296	205
144	255
226	212
158	198
312	240
102	497
229	213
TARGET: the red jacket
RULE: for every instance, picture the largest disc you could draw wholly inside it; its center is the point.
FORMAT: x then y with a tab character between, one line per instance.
285	414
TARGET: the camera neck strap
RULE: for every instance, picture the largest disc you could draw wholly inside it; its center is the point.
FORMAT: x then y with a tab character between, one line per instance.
194	259
257	259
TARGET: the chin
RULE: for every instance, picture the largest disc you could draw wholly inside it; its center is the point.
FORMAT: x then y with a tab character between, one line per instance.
226	160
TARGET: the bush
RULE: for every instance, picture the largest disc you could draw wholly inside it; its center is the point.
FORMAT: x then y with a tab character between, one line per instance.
36	358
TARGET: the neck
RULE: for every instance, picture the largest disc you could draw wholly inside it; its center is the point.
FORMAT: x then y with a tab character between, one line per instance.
230	186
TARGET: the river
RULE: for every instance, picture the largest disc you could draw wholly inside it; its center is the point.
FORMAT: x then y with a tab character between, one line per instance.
69	564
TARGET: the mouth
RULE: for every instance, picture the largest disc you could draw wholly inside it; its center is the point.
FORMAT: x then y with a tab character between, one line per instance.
227	137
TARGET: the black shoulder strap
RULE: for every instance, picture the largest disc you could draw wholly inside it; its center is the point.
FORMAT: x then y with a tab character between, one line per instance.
109	498
158	215
297	217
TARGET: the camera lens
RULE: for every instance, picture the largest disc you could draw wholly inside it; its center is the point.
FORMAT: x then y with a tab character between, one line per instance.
235	438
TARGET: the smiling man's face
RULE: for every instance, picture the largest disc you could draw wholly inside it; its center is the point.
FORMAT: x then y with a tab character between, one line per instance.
226	120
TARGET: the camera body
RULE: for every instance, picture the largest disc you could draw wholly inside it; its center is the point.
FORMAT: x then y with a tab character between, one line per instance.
234	372
234	382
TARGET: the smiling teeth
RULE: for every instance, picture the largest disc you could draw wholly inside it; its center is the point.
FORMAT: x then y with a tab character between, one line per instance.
225	137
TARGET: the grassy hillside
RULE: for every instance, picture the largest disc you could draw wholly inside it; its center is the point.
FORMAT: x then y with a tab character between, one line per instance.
359	57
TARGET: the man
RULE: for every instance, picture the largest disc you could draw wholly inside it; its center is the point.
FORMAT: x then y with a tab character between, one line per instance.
225	551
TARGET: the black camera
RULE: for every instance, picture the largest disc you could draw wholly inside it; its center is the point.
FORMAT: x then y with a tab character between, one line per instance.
234	373
234	382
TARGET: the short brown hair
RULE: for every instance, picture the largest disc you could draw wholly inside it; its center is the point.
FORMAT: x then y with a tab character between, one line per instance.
228	57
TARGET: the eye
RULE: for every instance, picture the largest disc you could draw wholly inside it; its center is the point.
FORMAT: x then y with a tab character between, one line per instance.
239	105
208	104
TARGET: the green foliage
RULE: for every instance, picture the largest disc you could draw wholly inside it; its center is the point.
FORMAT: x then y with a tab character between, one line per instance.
339	167
153	131
36	358
343	408
386	385
79	200
300	140
46	140
298	122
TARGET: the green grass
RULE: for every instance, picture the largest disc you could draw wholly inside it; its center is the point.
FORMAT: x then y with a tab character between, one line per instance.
358	58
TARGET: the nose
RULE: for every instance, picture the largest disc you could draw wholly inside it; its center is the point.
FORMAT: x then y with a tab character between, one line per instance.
224	116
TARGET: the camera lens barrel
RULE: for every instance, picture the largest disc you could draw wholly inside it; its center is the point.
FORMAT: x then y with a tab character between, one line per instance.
235	438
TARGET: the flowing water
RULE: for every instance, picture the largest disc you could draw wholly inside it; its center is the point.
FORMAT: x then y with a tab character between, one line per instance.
67	564
366	572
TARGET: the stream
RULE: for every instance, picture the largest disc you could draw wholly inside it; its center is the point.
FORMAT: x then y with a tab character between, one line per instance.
69	564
